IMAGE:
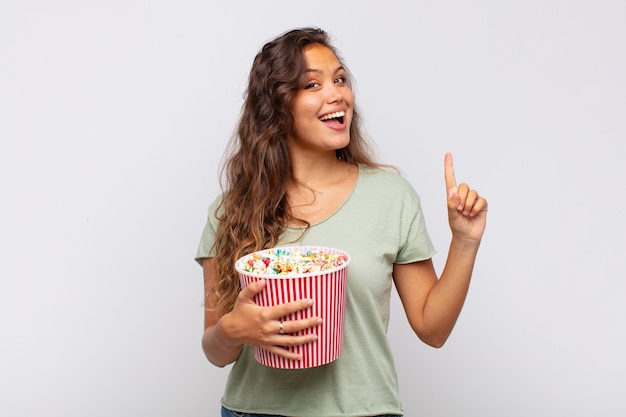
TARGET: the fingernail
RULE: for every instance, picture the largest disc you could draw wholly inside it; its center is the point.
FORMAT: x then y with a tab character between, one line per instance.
319	321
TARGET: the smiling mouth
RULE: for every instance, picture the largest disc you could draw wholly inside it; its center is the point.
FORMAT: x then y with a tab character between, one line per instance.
338	116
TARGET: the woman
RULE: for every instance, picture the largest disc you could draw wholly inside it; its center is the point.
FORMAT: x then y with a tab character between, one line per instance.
301	172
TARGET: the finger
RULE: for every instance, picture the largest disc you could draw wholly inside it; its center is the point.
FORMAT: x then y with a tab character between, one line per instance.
295	326
462	192
281	351
479	206
251	290
462	196
448	172
470	202
283	310
290	340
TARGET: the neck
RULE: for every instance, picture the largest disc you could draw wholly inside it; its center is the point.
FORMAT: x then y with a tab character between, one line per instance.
319	172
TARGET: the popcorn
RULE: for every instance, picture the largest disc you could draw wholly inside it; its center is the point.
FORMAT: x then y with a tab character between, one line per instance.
290	261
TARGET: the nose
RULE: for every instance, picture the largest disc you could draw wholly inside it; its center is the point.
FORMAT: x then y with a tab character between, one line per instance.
335	94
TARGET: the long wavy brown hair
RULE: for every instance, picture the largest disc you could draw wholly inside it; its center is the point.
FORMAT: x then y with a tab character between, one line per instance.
257	167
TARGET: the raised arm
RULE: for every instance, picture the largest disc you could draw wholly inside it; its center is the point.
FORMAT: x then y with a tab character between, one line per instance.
433	304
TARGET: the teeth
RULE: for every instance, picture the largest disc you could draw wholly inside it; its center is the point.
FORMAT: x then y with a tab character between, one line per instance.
333	115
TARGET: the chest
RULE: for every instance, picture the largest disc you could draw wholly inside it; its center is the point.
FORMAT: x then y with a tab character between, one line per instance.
314	205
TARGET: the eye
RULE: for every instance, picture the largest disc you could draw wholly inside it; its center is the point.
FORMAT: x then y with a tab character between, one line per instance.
340	80
310	85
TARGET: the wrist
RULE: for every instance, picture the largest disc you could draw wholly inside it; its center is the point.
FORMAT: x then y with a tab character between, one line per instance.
464	243
225	331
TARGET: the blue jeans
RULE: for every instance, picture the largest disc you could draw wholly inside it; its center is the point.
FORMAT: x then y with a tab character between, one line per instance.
229	413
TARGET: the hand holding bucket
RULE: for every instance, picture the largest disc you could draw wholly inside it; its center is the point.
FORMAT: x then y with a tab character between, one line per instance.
327	287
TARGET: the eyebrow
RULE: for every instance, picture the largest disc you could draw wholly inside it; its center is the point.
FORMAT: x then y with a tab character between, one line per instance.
338	69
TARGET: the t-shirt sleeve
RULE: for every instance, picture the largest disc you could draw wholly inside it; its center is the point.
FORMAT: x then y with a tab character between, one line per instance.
417	245
205	247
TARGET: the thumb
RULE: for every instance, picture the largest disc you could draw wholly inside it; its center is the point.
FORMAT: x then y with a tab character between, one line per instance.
453	198
252	289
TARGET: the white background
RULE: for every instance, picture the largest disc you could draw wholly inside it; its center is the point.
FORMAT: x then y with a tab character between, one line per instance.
113	118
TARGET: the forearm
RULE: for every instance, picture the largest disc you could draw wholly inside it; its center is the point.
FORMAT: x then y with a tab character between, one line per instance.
446	299
217	347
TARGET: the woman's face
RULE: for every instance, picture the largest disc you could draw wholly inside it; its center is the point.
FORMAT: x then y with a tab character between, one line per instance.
322	108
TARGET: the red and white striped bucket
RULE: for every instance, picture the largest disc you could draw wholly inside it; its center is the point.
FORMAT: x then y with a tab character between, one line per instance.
327	289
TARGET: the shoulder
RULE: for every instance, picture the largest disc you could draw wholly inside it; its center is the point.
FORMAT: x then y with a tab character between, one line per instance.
384	180
216	203
215	209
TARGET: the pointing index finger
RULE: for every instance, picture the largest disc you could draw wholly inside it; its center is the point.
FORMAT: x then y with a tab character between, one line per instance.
449	172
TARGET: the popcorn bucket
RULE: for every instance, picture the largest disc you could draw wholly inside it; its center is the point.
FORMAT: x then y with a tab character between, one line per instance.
327	287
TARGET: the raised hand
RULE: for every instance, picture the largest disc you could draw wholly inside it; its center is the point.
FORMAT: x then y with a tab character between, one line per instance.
467	211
